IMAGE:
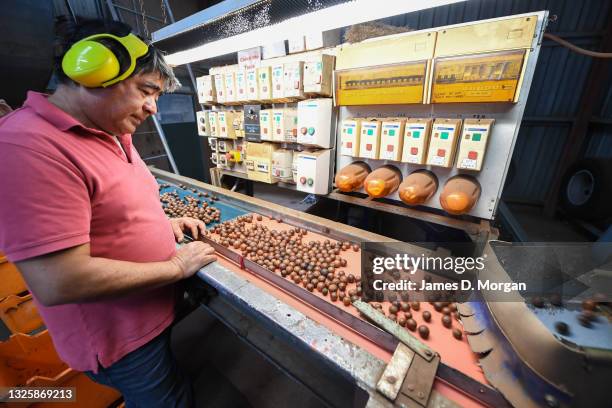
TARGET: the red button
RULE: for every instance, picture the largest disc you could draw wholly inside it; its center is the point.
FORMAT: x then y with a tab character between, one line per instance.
223	129
472	155
389	148
304	130
414	150
278	132
303	180
368	147
349	145
441	152
265	130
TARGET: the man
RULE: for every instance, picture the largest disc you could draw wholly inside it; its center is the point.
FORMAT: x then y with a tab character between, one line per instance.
81	218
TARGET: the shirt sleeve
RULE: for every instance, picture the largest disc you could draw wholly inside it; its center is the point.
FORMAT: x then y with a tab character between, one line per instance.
44	204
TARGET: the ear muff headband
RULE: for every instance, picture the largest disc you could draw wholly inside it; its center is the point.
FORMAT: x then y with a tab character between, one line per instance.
92	64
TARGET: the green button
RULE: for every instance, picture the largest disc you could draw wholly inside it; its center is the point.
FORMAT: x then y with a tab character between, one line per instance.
311	131
476	137
391	132
416	135
444	135
370	132
349	131
310	182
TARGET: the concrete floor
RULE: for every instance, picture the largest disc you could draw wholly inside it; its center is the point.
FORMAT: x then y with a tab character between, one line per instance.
226	372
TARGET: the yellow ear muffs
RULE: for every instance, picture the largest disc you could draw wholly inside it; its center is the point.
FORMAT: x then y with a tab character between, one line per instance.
92	64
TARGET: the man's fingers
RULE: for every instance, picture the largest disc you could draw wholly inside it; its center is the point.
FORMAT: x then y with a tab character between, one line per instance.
202	227
178	234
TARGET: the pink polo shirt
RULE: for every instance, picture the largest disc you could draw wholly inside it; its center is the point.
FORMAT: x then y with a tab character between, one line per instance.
63	185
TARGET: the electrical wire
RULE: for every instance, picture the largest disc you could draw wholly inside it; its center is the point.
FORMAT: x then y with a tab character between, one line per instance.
577	49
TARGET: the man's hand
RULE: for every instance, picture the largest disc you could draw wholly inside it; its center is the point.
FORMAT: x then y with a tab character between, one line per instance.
192	256
187	224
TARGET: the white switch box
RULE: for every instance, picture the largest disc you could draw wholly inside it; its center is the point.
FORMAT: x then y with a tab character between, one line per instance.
265	83
297	44
349	137
284	125
265	124
318	75
369	143
226	124
281	164
230	85
206	89
278	79
473	144
212	142
238	123
315	122
252	85
313	171
223	146
241	86
294	79
391	139
416	140
202	123
220	87
214	158
213	123
443	142
294	162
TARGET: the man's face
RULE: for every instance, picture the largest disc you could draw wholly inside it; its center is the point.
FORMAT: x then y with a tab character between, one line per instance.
121	108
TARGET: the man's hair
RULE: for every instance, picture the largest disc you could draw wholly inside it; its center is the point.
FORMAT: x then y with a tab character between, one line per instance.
68	33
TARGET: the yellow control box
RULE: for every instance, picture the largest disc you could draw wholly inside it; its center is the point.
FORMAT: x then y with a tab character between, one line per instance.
349	137
238	123
369	143
391	139
259	161
443	142
416	140
265	124
473	144
213	123
264	75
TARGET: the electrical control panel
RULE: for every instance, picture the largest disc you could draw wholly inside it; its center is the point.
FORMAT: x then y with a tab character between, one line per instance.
230	86
252	131
206	89
265	124
220	87
238	123
282	160
259	161
226	124
223	146
222	161
349	137
315	122
212	142
278	79
443	142
473	144
313	171
318	75
241	86
391	139
416	140
294	79
202	123
284	125
264	75
252	85
213	123
369	143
